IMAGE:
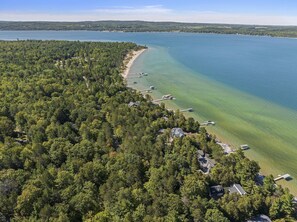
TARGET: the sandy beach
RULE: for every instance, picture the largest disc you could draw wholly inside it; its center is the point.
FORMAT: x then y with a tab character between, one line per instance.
128	62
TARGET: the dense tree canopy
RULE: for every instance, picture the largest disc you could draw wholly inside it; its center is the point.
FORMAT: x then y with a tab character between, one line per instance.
144	26
71	149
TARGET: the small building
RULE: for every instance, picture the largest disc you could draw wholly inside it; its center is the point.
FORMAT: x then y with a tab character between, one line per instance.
177	133
134	104
237	188
260	218
165	118
206	163
216	192
161	131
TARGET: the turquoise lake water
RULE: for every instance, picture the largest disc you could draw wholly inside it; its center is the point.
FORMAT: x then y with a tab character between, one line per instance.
247	84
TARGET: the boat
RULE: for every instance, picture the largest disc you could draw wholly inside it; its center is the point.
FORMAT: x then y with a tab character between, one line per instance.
244	147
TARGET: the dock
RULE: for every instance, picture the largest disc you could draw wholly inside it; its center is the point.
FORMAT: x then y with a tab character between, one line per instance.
285	176
164	97
146	90
167	97
157	100
208	123
187	110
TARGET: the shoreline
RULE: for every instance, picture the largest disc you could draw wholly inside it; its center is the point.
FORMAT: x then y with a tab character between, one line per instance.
108	31
222	136
129	60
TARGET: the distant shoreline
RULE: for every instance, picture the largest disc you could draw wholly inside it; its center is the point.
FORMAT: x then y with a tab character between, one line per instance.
288	31
129	60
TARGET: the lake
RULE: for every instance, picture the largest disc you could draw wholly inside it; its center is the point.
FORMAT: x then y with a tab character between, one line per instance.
246	84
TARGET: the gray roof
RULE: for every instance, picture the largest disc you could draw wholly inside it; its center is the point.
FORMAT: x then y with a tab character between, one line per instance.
260	218
216	191
177	132
134	104
237	188
205	162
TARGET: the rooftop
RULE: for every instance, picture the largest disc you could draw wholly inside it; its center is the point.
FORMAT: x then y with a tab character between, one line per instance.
260	218
216	191
237	188
177	132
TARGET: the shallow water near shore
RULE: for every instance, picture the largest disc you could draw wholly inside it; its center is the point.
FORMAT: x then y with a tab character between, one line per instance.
246	84
269	129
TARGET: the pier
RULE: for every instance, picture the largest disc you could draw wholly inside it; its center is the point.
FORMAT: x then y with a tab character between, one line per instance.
137	75
146	90
208	123
285	176
164	97
157	100
187	110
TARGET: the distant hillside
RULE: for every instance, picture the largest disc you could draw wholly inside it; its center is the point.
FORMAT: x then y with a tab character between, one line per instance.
141	26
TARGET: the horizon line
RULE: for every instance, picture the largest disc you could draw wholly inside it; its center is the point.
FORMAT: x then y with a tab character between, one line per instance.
108	20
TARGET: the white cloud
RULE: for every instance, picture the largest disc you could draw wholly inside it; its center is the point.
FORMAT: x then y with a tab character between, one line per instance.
130	13
151	13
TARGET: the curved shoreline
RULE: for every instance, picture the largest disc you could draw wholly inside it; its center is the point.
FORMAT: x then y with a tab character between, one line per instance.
129	60
225	138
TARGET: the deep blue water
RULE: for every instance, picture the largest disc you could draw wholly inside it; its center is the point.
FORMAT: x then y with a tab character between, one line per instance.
262	66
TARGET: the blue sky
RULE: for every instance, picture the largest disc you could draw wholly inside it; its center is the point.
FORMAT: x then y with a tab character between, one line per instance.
214	11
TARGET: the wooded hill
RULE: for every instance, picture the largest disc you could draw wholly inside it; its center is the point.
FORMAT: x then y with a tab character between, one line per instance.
142	26
72	149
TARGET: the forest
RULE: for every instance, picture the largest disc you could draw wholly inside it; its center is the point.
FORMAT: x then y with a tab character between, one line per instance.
142	26
73	148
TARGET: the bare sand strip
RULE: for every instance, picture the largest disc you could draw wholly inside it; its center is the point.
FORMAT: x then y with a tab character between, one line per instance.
129	60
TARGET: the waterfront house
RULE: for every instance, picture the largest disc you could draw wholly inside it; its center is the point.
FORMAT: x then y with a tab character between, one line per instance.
134	104
206	163
216	192
237	188
177	133
260	218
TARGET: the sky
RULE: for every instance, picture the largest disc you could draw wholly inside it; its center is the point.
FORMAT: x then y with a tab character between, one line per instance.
258	12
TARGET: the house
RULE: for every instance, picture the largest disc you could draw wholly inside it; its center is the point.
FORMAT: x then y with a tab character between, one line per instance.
237	188
134	104
206	163
177	133
161	131
260	218
216	192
